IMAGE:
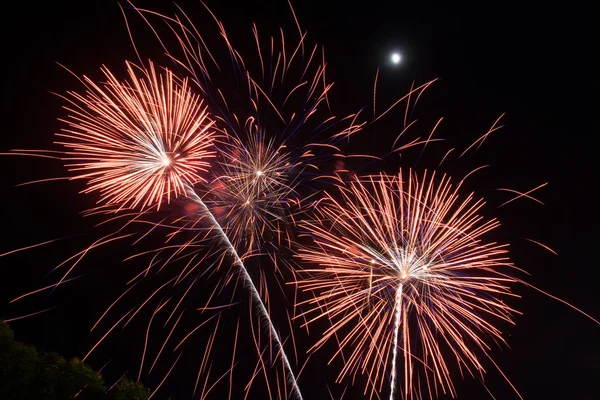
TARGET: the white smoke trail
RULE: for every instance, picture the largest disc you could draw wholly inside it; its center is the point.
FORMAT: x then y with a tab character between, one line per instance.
255	296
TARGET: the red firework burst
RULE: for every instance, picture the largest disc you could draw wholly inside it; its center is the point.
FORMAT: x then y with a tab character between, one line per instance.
403	269
138	141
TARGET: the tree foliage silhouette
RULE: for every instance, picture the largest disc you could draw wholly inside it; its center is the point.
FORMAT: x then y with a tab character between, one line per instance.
26	373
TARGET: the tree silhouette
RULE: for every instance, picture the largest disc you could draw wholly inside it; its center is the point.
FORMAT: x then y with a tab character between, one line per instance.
26	373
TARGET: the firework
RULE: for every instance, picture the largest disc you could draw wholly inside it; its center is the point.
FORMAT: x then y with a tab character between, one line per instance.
254	195
137	142
405	276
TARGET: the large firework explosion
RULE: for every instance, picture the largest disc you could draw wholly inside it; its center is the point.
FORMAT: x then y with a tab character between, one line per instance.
137	142
404	273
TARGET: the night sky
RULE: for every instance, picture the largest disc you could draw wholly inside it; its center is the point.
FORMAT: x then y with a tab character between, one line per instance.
537	65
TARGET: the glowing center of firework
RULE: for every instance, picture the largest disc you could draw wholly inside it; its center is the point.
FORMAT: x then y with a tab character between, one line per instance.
396	58
412	267
259	173
165	161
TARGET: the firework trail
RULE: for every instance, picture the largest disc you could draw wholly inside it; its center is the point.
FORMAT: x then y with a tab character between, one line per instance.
401	264
256	298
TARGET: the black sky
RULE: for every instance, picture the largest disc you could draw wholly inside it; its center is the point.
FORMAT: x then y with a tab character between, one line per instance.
536	64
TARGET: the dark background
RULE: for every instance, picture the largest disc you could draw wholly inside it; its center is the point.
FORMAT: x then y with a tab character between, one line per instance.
538	65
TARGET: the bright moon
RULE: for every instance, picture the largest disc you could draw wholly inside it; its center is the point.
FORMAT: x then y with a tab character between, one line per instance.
396	57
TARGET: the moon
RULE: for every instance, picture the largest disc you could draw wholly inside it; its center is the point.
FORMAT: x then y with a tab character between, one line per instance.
396	58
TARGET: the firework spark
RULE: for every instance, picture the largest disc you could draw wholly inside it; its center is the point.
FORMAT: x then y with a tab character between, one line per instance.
137	142
404	273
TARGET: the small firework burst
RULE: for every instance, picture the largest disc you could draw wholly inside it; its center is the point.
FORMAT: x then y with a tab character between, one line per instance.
255	192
